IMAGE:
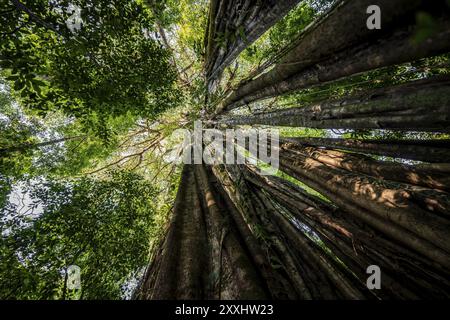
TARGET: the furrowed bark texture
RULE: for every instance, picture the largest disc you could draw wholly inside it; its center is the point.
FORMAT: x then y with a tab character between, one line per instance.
355	243
180	274
423	175
416	216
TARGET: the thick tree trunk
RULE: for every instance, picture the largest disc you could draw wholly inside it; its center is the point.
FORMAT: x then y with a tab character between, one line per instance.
228	257
436	152
312	252
307	283
388	50
230	229
435	201
355	244
203	256
422	105
239	23
277	285
181	272
283	283
376	203
423	175
343	27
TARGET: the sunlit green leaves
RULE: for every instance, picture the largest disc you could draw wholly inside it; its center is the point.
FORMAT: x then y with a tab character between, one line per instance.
110	67
103	226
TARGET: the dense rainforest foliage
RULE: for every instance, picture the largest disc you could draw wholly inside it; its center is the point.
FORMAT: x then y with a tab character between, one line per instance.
91	92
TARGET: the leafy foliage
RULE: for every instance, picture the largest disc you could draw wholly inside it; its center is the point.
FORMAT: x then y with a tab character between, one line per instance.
103	226
110	67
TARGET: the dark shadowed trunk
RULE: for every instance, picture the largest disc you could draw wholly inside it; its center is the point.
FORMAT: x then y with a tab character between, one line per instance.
339	29
181	271
234	25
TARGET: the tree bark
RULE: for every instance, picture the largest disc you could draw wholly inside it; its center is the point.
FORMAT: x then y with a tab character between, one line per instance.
424	175
242	22
343	27
436	152
376	204
278	286
392	49
282	285
181	271
355	243
203	256
224	240
422	105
